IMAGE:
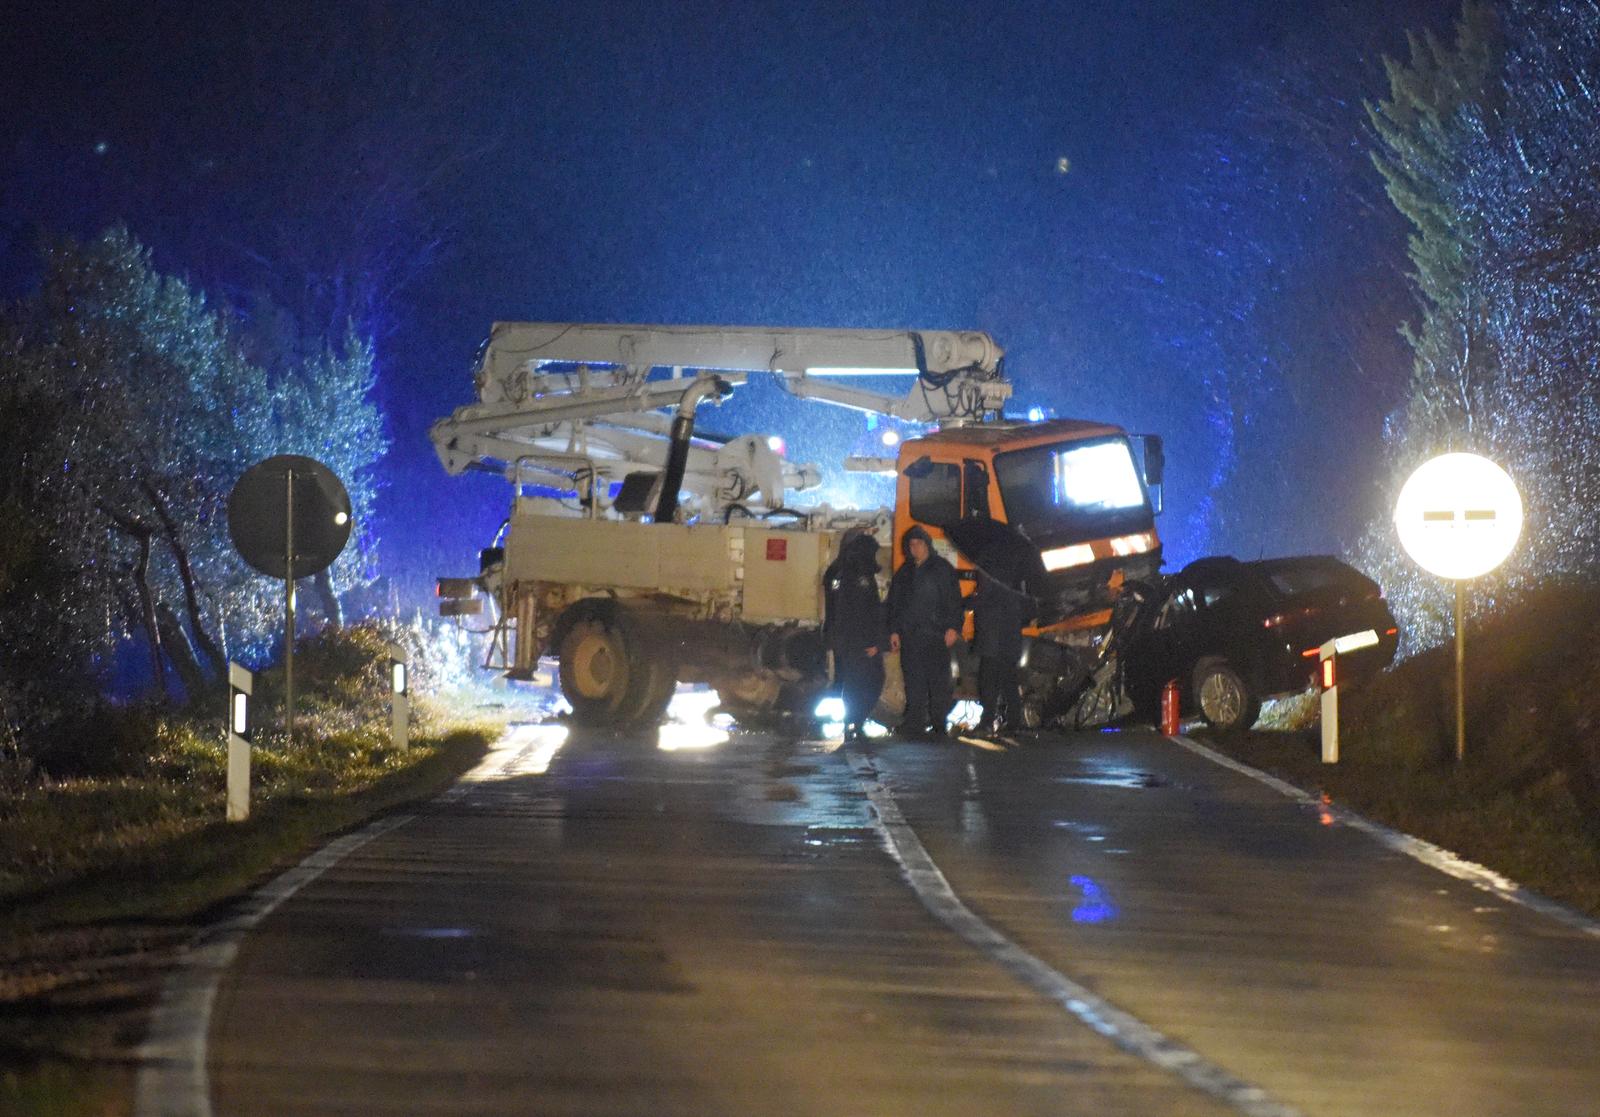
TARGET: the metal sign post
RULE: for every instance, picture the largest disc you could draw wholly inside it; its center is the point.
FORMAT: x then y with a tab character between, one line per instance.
1458	516
288	605
1461	673
289	517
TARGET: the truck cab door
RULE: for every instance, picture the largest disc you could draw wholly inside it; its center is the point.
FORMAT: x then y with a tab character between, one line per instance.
929	494
974	490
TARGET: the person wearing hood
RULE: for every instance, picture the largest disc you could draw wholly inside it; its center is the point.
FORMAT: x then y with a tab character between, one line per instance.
999	613
853	627
925	611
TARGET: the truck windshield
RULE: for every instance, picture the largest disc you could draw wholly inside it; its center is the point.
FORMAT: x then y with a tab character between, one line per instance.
1085	489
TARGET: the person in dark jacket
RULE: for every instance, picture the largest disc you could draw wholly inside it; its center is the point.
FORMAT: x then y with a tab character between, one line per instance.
853	627
998	614
925	610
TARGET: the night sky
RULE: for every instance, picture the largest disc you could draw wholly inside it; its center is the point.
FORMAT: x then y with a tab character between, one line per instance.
1161	210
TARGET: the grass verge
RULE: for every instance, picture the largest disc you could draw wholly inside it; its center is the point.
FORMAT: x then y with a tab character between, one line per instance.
105	872
1526	799
155	849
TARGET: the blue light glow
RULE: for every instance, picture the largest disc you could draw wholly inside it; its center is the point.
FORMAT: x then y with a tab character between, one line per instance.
1095	908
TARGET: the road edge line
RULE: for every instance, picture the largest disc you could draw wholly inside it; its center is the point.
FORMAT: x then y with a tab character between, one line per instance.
1419	849
1122	1028
174	1079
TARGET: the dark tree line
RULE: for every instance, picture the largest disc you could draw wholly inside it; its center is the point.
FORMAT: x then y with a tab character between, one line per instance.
128	409
1464	208
1489	144
302	165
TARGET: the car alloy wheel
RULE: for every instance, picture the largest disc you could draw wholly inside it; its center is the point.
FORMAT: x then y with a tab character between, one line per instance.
1224	698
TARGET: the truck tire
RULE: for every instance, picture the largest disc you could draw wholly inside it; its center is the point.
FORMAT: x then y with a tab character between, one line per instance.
596	669
665	686
1224	697
651	683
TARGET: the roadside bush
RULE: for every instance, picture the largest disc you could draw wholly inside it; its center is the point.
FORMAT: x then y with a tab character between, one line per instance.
346	670
341	698
1532	704
347	664
16	766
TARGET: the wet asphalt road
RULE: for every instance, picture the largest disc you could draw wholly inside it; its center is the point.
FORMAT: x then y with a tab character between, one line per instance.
598	926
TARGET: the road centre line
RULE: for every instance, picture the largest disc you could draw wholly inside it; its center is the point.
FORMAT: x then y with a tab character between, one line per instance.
1435	857
174	1080
1120	1027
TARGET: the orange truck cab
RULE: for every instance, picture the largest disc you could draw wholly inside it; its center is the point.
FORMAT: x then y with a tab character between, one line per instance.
1084	494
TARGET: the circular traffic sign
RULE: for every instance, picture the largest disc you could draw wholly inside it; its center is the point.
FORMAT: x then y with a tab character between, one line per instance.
259	520
1458	515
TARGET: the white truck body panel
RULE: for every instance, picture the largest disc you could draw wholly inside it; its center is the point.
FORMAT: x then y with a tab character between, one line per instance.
756	574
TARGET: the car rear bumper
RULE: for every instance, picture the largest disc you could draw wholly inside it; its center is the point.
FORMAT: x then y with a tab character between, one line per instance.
1285	676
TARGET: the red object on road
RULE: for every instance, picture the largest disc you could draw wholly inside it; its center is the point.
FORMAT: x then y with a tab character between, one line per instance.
1169	708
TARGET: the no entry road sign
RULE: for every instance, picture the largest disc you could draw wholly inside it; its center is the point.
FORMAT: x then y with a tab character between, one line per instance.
1458	516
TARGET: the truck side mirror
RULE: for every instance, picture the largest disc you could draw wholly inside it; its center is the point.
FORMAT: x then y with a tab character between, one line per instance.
1155	467
1155	460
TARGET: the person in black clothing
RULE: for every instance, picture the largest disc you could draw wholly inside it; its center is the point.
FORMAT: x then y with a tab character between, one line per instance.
852	626
998	614
924	623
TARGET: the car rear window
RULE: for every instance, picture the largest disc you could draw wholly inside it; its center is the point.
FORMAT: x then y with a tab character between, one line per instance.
1295	579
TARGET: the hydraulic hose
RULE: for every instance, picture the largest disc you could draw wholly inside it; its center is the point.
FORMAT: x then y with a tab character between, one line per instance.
682	432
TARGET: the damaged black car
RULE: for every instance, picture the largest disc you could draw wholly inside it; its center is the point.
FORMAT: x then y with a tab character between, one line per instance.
1234	633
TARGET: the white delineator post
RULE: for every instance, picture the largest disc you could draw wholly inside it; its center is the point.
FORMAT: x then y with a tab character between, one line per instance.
239	687
400	696
1328	682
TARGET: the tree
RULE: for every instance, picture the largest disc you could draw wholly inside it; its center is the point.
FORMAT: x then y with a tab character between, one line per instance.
132	410
1491	149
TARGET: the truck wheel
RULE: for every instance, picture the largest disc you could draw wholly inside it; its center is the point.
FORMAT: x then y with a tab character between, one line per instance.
651	683
595	671
1224	697
666	685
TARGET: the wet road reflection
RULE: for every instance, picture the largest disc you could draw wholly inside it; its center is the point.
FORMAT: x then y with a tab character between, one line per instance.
1095	908
706	919
1297	952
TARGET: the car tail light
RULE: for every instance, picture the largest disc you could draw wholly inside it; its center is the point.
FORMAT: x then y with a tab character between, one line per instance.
1279	619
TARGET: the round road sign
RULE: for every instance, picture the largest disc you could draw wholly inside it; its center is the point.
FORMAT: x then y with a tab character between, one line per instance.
1458	515
259	521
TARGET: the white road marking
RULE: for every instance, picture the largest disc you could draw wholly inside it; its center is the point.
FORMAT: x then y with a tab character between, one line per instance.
1122	1028
173	1081
1435	857
173	1077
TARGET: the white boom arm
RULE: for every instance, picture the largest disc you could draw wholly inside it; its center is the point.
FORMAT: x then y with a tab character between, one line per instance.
572	397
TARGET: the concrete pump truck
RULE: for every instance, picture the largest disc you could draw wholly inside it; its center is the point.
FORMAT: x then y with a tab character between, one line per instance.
641	553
